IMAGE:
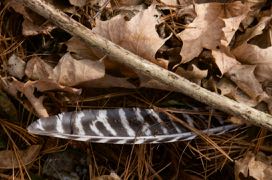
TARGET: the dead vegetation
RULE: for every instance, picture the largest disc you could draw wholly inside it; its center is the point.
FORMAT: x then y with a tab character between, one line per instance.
224	47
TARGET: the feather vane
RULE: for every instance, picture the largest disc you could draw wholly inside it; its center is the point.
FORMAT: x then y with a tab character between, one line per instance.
117	126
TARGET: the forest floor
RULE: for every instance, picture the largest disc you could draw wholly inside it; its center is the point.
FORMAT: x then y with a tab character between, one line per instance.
224	47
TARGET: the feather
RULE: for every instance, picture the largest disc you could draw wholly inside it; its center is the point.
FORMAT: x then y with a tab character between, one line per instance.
117	126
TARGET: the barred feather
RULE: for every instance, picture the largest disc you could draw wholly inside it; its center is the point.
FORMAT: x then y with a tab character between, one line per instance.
116	126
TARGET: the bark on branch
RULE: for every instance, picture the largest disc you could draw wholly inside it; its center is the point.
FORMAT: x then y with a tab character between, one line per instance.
135	62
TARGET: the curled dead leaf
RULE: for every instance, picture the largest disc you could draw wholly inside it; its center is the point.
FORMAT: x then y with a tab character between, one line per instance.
47	85
33	23
37	69
253	31
16	66
13	87
32	29
8	158
254	166
236	12
70	71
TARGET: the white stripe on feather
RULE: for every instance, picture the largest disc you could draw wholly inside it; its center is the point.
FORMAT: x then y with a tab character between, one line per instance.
59	125
102	117
78	123
155	115
95	129
145	126
125	123
139	141
122	141
39	125
83	138
176	127
104	140
189	120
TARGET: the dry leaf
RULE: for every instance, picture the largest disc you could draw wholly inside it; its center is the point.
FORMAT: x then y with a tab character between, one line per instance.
232	18
138	35
269	104
224	60
71	72
254	166
204	32
237	120
32	29
192	73
8	158
8	109
229	89
254	31
37	69
47	85
79	3
78	47
215	24
170	2
33	23
19	8
243	76
252	54
234	9
16	66
13	86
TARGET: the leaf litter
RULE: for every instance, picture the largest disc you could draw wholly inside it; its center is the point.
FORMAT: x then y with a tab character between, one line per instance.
225	44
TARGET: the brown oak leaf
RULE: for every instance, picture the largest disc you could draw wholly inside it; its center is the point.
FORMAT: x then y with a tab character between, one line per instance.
137	35
215	25
204	32
244	78
254	55
224	60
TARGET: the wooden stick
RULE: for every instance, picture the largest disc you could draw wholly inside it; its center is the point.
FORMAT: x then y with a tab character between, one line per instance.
135	62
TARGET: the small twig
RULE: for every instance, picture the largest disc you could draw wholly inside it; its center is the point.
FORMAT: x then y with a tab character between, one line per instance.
122	56
101	9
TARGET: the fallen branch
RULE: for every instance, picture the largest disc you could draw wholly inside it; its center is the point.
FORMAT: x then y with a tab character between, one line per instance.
137	63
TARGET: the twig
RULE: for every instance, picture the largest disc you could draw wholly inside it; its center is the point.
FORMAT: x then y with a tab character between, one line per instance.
137	63
101	9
